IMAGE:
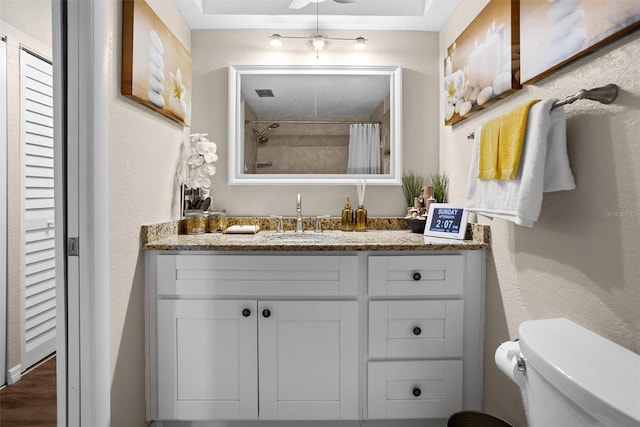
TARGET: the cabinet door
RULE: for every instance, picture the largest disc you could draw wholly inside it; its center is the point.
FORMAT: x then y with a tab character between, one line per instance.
207	359
308	360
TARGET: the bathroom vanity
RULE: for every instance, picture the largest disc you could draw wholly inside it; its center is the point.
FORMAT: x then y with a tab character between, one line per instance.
346	326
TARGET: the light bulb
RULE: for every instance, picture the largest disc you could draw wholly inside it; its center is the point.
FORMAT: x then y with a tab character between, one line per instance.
361	42
276	40
318	42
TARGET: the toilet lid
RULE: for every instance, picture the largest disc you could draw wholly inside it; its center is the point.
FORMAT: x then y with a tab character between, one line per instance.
601	376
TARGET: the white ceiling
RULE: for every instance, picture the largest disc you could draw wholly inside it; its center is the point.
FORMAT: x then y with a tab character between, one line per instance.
315	95
407	15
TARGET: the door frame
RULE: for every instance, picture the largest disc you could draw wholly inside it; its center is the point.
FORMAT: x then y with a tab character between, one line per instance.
80	52
3	210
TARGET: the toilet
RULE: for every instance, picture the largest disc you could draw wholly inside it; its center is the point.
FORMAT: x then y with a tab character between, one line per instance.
570	376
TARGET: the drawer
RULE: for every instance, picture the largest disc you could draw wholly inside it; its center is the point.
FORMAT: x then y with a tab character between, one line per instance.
415	329
256	275
416	275
414	389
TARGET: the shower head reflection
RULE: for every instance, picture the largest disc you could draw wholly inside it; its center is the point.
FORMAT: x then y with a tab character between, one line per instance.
261	138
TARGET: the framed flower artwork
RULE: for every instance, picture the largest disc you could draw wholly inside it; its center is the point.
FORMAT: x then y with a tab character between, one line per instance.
552	34
156	67
482	65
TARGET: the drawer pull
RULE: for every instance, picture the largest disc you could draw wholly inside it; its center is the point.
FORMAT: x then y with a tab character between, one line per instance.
266	313
246	312
417	330
417	276
416	392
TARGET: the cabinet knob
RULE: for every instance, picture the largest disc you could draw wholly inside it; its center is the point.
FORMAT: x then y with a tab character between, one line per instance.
246	312
416	392
417	276
417	330
266	312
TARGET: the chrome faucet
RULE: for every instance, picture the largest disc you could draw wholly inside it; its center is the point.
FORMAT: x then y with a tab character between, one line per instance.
299	228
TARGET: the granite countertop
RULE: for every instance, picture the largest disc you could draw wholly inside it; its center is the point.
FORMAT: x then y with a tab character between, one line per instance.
165	237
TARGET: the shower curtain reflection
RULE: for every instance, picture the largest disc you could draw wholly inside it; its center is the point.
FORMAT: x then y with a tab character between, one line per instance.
364	149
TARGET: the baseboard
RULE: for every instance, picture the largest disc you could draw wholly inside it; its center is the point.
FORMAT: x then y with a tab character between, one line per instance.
14	375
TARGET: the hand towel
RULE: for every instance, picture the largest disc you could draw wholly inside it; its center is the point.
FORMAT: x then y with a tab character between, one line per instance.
501	144
544	168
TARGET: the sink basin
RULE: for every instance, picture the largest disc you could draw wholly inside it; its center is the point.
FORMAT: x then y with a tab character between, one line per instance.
306	237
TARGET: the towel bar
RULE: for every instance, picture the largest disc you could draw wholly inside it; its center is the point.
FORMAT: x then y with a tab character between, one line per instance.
604	95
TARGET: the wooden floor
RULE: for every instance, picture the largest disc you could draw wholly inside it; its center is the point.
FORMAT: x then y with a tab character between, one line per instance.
32	400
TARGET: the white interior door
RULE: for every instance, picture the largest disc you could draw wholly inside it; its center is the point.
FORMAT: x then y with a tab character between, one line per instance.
37	206
3	208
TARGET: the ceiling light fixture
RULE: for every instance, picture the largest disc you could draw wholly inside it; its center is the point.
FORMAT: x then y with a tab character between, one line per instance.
275	40
316	40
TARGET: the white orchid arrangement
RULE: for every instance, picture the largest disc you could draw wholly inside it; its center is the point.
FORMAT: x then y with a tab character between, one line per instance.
200	159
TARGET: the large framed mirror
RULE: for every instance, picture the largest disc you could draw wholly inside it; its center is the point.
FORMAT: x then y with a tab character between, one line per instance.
315	124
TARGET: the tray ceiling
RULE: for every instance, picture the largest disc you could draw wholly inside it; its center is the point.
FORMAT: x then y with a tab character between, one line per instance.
411	15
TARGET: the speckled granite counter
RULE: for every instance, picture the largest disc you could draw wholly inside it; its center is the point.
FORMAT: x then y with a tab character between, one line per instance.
165	237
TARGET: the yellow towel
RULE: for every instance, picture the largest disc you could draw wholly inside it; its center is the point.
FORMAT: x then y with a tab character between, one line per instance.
501	144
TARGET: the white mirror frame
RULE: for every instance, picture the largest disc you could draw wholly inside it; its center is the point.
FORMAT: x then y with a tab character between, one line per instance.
236	126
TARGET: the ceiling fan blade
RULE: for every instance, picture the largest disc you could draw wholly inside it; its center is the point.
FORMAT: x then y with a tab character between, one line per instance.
299	4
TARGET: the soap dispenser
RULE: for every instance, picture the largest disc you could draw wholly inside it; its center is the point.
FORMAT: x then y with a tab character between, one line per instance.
347	216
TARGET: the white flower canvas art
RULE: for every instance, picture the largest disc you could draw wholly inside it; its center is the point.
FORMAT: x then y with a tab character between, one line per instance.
156	67
482	65
555	33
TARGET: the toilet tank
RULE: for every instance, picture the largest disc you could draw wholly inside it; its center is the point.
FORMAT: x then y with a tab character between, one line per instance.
595	375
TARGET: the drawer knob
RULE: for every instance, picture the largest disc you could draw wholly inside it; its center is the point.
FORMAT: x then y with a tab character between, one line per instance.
417	276
266	313
246	312
416	392
417	330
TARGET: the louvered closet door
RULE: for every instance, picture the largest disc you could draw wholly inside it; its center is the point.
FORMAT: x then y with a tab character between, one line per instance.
38	252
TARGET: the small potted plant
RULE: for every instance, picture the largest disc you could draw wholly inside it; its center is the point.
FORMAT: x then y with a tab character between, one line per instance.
412	186
440	183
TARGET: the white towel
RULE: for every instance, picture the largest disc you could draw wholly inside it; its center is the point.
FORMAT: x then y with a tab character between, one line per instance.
544	167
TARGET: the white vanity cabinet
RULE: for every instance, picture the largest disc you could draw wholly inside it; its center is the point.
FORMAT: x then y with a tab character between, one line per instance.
316	335
267	337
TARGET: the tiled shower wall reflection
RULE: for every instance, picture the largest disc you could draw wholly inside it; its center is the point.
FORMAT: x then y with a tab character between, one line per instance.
300	148
308	148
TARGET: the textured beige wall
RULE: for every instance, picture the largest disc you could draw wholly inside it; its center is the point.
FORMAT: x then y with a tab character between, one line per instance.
580	260
32	17
416	51
143	150
28	30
